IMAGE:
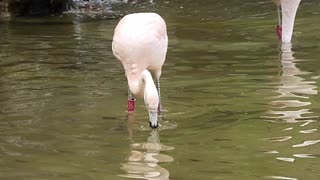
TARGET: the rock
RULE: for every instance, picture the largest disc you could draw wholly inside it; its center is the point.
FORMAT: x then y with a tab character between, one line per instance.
34	7
4	8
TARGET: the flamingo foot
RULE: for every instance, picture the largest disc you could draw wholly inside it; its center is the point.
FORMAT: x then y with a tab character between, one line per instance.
131	105
279	32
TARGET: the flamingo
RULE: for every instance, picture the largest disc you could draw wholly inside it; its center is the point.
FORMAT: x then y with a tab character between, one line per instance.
140	42
287	9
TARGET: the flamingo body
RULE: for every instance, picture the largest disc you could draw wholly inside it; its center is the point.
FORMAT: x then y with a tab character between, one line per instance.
140	42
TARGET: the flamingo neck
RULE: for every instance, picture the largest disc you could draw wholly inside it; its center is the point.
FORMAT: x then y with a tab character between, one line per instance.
151	97
289	9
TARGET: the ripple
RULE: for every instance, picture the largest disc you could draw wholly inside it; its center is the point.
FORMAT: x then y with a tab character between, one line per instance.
309	131
281	177
144	171
307	122
307	143
289	103
304	155
163	125
291	116
143	161
151	146
272	152
286	159
279	139
287	129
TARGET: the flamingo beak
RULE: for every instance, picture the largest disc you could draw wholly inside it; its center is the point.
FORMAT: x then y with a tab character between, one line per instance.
153	119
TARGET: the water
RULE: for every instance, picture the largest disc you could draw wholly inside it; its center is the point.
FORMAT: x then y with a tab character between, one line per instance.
236	107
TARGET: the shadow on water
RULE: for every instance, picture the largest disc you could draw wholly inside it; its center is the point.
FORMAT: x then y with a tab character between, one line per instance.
145	157
291	107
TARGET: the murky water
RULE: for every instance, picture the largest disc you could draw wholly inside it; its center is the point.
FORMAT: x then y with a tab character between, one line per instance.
236	107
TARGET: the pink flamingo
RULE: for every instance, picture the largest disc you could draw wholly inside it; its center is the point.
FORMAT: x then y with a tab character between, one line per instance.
287	9
140	42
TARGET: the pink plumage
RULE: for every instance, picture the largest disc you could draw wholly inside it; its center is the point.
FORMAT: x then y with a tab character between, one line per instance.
140	42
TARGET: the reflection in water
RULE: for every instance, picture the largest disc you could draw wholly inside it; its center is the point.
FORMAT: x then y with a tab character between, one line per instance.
143	161
281	177
307	143
304	155
61	91
293	91
291	105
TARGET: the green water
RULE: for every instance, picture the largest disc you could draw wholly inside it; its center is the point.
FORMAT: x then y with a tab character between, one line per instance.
236	108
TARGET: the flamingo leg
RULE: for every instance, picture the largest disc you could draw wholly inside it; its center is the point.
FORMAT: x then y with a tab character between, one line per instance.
160	108
130	95
279	27
279	16
131	102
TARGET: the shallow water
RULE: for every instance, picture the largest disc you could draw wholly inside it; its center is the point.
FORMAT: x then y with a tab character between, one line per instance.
236	107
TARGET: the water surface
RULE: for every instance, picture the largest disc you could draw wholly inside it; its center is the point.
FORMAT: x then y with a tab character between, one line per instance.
236	107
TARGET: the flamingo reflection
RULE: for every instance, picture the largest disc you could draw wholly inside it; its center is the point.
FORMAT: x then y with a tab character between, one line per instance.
292	106
293	91
144	158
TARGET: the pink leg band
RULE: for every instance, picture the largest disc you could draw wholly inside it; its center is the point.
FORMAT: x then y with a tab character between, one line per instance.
279	32
131	104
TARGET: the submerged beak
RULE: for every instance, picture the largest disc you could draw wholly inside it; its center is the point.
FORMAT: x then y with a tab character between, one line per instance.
153	119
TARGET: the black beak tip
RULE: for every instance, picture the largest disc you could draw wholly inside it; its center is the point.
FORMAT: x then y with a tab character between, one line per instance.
153	126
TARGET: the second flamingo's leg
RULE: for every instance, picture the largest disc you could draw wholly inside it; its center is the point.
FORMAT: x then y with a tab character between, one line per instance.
160	108
279	27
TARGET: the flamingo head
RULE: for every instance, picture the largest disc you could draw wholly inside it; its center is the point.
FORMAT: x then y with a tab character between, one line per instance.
151	100
153	119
